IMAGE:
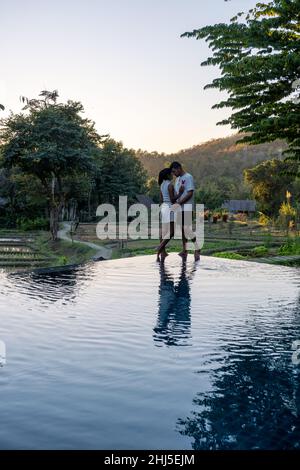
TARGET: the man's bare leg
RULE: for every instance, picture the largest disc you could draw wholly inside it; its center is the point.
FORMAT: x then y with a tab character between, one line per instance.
197	251
184	252
187	233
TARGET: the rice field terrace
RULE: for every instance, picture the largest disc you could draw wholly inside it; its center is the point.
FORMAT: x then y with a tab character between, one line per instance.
18	251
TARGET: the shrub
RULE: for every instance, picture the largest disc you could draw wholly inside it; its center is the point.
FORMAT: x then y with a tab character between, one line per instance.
290	247
217	214
287	215
62	261
207	215
241	217
260	251
38	223
263	219
287	210
268	239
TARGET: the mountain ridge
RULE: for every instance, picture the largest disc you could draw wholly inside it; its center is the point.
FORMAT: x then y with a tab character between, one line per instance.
216	158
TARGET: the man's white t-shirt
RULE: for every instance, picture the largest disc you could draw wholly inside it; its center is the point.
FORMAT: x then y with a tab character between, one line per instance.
187	181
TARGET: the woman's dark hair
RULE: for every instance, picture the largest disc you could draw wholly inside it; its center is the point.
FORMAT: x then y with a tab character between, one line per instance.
164	175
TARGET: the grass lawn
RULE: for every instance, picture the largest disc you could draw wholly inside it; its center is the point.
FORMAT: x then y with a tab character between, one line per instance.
145	247
61	252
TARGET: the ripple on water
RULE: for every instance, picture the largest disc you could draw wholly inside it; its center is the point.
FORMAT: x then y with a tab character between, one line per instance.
132	354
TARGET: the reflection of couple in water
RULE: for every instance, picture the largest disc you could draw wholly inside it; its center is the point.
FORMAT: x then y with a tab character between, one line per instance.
174	317
177	208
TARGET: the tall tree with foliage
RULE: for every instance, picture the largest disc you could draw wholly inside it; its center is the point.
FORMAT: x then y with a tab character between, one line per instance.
258	54
153	189
51	141
269	182
120	173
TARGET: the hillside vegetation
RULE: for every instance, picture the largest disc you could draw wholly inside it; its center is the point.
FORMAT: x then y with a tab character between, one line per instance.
215	159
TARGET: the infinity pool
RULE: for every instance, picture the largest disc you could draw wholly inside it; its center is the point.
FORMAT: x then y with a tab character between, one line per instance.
128	354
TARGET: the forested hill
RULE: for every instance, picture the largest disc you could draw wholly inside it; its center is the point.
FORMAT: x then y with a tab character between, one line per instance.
215	159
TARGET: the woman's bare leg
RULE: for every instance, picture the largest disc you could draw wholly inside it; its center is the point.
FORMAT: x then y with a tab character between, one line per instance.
161	250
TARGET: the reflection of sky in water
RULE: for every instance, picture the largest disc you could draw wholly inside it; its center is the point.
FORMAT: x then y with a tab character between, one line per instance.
95	356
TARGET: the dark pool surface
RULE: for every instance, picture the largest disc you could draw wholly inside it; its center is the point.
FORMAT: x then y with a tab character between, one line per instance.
126	354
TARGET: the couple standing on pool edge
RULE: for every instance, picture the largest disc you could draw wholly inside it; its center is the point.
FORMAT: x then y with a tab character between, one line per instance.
176	206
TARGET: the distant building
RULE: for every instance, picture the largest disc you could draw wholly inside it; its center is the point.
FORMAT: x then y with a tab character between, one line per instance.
236	205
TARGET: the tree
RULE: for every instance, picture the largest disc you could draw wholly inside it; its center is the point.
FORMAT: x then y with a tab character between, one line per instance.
120	173
269	182
153	190
259	59
50	141
214	191
210	195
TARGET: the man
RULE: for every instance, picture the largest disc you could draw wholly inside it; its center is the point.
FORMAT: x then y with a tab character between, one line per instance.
184	194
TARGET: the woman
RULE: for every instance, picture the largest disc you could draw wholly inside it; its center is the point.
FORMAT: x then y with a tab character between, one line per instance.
167	198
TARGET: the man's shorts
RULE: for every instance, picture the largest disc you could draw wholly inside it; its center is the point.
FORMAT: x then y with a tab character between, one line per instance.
184	218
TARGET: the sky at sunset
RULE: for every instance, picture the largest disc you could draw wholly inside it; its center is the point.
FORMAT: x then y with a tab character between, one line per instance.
123	59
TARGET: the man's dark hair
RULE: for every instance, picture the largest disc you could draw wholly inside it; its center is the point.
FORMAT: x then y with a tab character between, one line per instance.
175	166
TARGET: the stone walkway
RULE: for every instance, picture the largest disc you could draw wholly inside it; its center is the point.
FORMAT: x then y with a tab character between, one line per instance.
101	251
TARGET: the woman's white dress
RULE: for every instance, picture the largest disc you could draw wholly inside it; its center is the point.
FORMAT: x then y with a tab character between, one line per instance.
167	214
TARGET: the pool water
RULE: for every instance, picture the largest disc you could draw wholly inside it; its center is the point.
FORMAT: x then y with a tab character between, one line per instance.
128	354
